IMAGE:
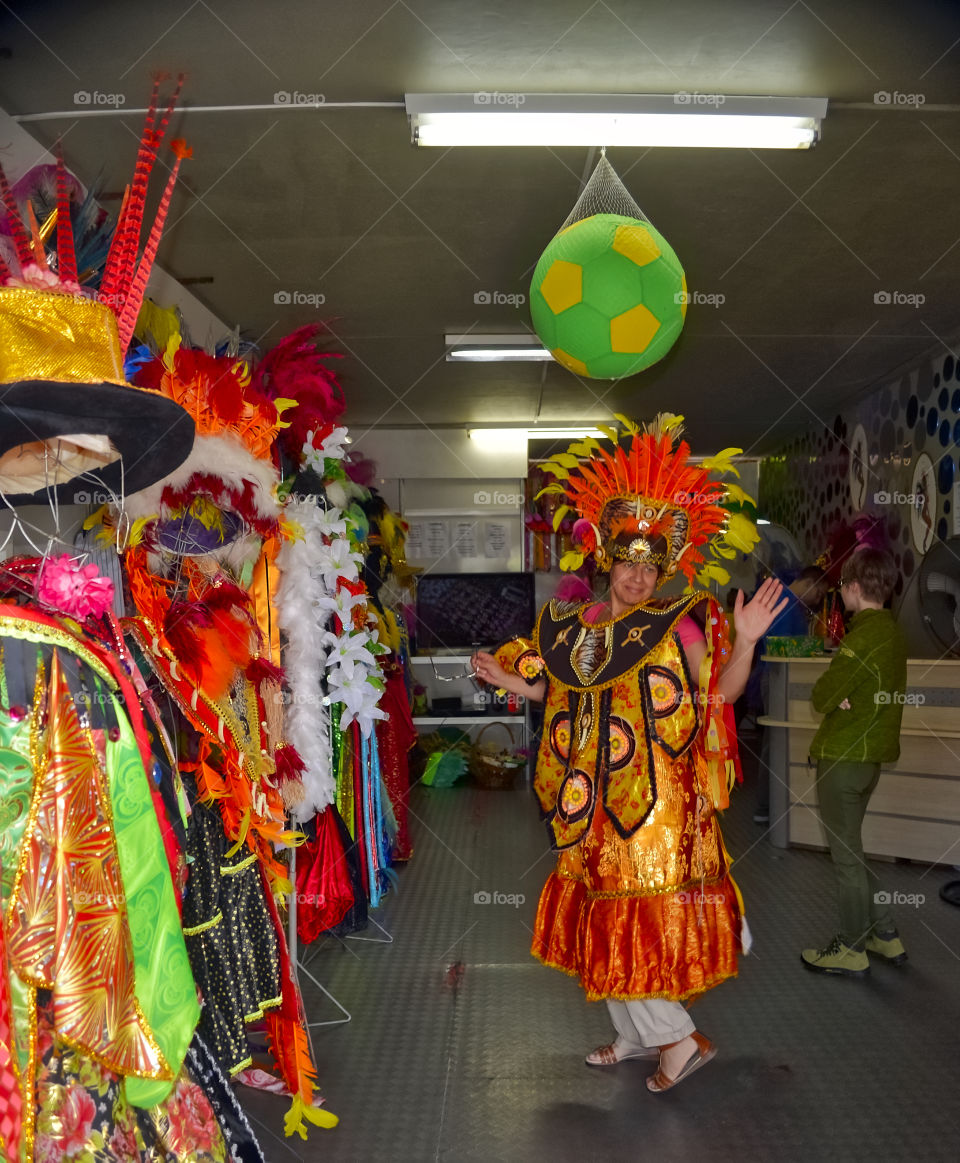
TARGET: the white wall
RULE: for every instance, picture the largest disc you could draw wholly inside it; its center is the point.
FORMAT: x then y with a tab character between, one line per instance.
425	453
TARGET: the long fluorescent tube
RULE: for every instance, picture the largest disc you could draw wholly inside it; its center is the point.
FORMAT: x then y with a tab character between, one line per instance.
498	354
499	439
702	120
495	348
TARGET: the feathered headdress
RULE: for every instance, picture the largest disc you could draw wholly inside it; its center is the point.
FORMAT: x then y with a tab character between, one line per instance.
67	406
230	478
645	501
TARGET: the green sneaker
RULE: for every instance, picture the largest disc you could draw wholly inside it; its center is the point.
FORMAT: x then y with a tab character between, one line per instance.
837	958
888	946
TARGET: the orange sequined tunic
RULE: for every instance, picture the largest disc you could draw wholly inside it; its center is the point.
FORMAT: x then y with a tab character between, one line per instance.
641	904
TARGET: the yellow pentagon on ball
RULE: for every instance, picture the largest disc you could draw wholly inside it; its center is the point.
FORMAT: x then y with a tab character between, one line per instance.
636	244
562	285
570	362
633	330
683	296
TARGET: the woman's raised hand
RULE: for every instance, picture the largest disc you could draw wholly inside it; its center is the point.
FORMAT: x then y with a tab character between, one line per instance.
752	619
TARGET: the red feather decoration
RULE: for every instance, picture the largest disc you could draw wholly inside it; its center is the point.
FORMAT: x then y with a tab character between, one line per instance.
226	397
66	255
134	298
290	765
17	230
261	670
295	369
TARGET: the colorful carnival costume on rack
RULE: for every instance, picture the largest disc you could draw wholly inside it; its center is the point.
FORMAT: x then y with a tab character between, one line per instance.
638	749
199	566
98	1051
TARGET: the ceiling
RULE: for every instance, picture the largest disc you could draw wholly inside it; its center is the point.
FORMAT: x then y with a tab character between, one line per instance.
399	240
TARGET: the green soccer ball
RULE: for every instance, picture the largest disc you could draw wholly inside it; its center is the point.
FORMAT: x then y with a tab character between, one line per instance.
608	297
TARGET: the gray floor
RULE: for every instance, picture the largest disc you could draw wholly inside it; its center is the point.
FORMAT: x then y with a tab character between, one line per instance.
462	1047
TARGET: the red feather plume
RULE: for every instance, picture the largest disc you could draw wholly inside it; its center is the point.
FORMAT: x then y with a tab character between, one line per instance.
295	369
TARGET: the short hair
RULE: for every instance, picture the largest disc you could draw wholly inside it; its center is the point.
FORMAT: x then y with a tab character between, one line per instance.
875	572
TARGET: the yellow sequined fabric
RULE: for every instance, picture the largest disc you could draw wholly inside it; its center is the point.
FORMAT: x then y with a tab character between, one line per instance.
47	336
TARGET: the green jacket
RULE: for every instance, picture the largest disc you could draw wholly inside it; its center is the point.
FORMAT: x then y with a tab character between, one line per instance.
869	669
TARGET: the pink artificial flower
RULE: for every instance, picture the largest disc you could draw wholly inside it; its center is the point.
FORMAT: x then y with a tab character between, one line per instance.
76	1119
74	589
193	1126
37	278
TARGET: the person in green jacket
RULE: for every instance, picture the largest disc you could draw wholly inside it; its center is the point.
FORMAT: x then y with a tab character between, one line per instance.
861	698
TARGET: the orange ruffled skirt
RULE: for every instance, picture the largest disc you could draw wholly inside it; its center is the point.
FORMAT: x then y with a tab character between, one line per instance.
655	916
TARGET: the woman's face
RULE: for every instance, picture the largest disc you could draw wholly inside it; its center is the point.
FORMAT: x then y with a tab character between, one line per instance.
632	582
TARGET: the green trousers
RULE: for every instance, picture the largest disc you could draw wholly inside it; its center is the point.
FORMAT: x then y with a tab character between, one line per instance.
844	790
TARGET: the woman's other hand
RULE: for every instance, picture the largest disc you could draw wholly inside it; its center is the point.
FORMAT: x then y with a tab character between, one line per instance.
752	619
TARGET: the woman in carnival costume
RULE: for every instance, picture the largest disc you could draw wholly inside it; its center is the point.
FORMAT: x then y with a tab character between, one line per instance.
99	1057
638	748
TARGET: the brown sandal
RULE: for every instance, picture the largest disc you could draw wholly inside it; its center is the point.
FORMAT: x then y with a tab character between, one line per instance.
611	1055
705	1050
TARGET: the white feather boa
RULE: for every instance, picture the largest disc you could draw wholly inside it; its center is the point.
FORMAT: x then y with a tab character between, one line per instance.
307	721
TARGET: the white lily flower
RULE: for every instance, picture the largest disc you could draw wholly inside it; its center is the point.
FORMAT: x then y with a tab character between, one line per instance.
337	560
359	698
348	652
332	523
342	603
333	445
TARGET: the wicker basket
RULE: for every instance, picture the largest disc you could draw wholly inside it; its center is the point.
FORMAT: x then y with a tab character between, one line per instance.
493	767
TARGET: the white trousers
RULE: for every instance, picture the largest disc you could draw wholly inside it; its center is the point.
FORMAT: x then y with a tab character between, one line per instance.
655	1022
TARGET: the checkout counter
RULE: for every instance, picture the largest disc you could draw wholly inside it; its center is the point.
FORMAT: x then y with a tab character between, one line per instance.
915	811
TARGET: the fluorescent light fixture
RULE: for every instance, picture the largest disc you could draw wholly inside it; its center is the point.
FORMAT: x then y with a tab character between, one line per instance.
514	439
762	521
701	120
495	348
